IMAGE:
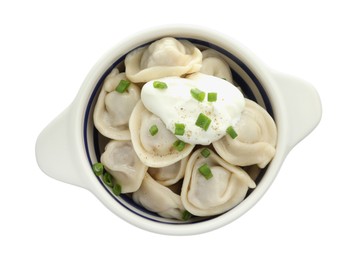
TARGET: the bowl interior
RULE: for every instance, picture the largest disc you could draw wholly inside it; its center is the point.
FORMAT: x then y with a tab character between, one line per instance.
243	78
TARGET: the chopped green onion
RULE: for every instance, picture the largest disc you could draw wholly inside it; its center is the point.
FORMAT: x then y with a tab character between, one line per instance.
203	121
205	171
186	215
98	168
179	129
122	86
116	189
107	178
179	145
153	130
212	97
231	132
159	84
198	94
205	152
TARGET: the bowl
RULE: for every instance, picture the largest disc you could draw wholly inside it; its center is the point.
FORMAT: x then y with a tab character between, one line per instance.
70	144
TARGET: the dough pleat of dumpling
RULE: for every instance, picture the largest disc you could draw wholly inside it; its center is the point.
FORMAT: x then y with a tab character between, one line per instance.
159	199
163	58
256	140
113	109
169	175
121	161
224	190
213	64
158	150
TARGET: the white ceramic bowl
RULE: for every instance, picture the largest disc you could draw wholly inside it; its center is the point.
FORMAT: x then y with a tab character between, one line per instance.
72	141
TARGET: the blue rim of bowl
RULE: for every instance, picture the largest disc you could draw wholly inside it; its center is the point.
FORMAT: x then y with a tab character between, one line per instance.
95	136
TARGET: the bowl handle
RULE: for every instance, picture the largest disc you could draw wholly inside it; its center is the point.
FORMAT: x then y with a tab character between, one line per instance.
56	153
302	104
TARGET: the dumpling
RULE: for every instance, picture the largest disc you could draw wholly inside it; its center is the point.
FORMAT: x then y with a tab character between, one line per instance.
163	58
169	175
256	140
154	150
113	109
159	199
121	161
227	187
214	65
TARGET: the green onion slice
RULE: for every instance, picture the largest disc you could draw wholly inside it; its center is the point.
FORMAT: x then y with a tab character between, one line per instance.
186	215
153	130
203	121
179	145
159	84
179	129
205	171
98	168
212	97
205	152
198	94
107	178
116	189
123	86
232	133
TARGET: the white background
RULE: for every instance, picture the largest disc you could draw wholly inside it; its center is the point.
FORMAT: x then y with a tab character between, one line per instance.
47	48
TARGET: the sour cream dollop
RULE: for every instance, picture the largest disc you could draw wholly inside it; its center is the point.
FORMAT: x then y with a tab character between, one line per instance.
176	105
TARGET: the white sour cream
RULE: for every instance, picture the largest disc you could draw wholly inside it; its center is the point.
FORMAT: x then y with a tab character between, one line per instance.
175	104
